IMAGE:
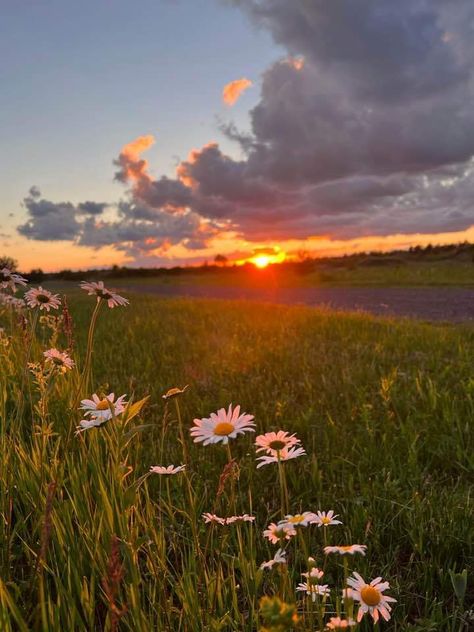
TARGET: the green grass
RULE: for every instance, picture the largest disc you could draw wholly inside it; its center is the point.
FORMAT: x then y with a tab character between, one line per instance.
384	409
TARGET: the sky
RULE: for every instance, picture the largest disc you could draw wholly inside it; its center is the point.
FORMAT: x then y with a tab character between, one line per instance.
168	131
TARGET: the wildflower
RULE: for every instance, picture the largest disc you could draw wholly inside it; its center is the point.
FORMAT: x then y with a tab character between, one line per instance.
346	550
315	590
170	469
278	558
9	279
313	576
209	517
37	297
274	442
174	392
347	594
222	426
86	424
277	532
284	455
104	408
325	519
277	614
299	520
16	303
59	359
371	597
102	293
336	623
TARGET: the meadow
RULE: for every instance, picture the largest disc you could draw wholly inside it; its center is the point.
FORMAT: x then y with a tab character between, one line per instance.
92	540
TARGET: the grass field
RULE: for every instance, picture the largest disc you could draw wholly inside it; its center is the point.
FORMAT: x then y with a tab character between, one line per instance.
384	409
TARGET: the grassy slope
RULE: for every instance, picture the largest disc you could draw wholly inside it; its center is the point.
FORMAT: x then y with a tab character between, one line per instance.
382	407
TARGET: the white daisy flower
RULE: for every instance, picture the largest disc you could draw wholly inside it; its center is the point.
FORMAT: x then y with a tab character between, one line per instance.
370	597
170	469
314	575
16	303
284	455
299	520
336	623
209	517
98	289
9	279
325	519
37	297
278	558
346	550
87	424
104	408
347	594
59	359
274	442
222	426
277	532
314	590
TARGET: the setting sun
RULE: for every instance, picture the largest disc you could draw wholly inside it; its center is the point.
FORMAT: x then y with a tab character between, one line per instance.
261	261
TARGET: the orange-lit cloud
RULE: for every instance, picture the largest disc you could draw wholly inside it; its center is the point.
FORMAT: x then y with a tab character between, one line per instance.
132	166
233	90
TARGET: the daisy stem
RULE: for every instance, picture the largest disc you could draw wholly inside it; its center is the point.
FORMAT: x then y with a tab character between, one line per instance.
283	488
24	376
181	432
85	376
232	482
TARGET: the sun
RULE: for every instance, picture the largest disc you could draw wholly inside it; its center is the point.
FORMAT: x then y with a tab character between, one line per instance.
261	261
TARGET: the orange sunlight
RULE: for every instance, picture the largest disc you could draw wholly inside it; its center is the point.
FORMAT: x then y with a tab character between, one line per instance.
263	257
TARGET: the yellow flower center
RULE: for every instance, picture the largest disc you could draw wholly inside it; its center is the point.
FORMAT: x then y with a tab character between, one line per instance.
103	404
346	548
296	519
223	429
370	595
325	520
277	445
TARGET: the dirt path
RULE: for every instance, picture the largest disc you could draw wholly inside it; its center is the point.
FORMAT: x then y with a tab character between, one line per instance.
434	304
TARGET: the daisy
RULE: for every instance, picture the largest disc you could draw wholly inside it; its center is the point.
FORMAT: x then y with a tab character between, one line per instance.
209	517
277	532
314	590
274	442
336	623
284	455
371	597
174	392
346	550
16	303
279	558
59	359
104	408
299	520
11	279
37	297
313	576
170	469
347	594
325	519
87	424
222	426
103	293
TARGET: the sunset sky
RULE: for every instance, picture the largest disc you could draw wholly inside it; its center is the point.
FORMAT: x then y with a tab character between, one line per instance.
163	132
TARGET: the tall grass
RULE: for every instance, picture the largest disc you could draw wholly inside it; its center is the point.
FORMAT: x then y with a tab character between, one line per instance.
92	541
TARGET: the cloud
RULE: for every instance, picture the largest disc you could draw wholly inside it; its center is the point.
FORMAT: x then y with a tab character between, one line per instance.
233	91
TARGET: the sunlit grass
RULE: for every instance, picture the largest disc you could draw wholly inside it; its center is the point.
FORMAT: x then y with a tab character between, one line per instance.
91	540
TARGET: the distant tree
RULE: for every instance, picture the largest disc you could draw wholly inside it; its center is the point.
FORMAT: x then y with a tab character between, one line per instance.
8	262
221	260
36	275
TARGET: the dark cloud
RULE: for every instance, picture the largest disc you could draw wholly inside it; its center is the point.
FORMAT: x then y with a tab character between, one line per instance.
92	208
48	221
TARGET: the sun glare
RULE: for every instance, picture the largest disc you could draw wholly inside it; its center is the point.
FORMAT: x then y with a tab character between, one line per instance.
261	261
